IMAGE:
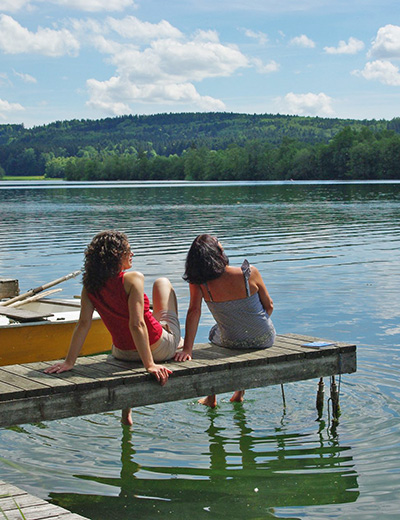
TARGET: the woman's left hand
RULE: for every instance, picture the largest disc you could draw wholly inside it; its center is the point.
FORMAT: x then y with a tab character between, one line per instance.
182	356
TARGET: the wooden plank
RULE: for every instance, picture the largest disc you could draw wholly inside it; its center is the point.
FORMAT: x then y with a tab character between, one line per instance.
13	501
8	287
102	383
23	315
8	392
60	301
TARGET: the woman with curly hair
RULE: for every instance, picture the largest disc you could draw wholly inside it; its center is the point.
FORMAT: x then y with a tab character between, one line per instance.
237	298
118	296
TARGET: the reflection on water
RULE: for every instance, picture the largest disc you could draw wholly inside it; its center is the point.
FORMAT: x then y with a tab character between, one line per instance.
329	255
242	473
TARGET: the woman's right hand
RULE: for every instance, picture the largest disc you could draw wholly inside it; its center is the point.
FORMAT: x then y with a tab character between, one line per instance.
160	372
57	368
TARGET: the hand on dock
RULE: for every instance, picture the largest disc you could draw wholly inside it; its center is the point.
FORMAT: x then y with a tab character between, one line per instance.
160	372
57	368
182	356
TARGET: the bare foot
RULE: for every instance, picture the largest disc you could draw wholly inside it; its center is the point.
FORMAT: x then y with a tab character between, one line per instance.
237	397
126	417
210	400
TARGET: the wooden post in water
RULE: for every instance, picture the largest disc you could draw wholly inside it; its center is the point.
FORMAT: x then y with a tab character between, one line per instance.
335	400
320	397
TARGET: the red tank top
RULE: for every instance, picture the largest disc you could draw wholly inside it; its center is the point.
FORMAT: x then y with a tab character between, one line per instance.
112	305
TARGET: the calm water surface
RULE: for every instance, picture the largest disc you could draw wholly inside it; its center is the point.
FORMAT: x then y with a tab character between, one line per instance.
329	254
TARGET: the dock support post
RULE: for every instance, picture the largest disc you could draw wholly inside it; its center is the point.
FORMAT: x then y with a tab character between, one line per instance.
335	400
320	397
283	397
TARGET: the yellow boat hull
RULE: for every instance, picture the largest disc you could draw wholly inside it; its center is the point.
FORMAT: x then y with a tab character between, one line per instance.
48	340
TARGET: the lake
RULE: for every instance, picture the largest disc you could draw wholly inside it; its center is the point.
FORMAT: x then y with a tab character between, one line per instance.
329	254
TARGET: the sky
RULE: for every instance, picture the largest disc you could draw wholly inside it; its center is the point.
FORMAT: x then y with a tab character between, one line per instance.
90	59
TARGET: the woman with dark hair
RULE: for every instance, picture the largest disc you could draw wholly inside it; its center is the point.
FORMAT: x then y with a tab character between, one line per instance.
118	296
237	298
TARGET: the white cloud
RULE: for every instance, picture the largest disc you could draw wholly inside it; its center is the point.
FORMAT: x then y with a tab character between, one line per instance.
302	41
81	5
267	68
116	95
386	43
15	39
307	104
351	47
206	36
27	78
133	28
96	5
164	71
4	79
261	37
6	108
380	70
11	6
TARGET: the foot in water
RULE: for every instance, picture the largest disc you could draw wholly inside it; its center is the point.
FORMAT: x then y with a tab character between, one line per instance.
126	417
237	397
210	400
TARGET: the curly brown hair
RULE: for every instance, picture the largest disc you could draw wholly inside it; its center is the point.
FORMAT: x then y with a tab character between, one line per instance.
103	259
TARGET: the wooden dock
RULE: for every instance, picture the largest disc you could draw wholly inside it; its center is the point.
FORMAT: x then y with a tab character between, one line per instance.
100	383
14	501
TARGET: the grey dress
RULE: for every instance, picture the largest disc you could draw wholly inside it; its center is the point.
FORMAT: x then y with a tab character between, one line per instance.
243	323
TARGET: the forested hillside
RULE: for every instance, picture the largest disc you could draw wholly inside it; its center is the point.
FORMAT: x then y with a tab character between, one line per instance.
209	146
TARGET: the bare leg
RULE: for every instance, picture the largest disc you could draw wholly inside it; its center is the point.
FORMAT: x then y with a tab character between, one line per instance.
164	297
237	396
126	417
210	400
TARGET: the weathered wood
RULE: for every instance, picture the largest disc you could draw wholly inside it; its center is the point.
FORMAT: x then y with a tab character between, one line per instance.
41	288
22	315
101	383
13	501
8	288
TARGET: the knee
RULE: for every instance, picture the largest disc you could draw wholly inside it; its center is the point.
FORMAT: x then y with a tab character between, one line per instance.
162	282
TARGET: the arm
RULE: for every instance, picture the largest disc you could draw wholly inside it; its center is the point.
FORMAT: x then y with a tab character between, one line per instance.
134	286
78	337
192	323
265	298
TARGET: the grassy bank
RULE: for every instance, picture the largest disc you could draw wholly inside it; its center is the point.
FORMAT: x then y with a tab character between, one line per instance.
23	178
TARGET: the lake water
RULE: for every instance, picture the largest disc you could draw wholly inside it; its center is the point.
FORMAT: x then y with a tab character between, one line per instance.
329	254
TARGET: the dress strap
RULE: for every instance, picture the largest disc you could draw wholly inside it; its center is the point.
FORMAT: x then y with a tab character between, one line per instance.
246	270
208	290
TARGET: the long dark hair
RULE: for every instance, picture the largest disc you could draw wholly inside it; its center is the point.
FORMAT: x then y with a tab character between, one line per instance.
205	260
103	259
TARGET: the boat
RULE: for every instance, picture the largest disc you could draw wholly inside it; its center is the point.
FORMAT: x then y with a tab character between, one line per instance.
41	330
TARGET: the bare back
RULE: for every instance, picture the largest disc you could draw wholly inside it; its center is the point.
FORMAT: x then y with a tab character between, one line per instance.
229	286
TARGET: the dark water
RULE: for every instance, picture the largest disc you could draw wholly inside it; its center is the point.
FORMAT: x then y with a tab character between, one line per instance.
329	254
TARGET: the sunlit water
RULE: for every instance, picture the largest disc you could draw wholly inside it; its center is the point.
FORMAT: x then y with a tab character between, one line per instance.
329	254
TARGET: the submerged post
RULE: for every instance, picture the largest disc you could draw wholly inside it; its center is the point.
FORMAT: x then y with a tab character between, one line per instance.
320	397
335	400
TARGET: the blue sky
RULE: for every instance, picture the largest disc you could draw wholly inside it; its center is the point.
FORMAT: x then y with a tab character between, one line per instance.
89	59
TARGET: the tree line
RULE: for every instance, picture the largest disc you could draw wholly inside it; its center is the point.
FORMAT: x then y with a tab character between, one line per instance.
213	146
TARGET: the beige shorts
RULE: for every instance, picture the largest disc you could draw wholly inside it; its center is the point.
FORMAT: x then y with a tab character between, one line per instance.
170	340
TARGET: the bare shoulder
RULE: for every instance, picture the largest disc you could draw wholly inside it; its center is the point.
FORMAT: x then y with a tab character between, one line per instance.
254	271
255	276
133	278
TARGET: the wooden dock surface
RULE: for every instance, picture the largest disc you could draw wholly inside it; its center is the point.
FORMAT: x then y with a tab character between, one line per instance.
101	383
13	501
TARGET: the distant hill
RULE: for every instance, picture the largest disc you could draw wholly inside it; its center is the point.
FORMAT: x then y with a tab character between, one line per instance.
28	150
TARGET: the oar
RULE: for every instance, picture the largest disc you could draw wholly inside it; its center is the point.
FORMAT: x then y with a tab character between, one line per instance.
34	298
31	292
